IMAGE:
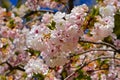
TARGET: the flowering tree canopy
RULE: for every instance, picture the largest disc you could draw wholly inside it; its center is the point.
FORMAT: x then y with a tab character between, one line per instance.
81	43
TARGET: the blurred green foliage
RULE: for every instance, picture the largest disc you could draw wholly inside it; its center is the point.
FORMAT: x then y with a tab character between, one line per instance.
117	25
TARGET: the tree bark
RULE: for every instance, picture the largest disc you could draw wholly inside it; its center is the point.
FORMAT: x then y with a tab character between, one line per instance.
71	5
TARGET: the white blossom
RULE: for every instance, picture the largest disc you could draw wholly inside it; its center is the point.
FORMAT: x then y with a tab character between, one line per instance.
108	10
36	66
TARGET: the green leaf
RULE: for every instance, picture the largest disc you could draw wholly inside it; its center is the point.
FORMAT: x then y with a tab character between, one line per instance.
28	19
52	25
99	61
33	52
64	74
19	2
11	24
94	12
24	75
38	76
108	39
88	78
82	76
2	77
5	46
117	25
6	4
99	76
90	19
11	39
104	64
99	0
57	0
85	45
17	52
36	53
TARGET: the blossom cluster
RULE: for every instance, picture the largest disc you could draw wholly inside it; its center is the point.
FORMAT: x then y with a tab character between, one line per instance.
55	45
104	26
36	4
36	66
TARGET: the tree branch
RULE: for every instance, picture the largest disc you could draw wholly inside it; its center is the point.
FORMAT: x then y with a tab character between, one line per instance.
34	12
2	63
71	5
102	43
38	18
67	78
85	52
11	68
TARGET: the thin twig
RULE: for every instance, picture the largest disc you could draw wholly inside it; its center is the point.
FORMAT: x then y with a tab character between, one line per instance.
3	63
98	59
90	51
14	68
67	78
35	19
70	75
102	43
39	11
11	68
19	68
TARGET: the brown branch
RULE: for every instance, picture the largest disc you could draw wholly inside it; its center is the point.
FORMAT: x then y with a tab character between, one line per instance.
85	52
98	59
14	68
19	68
2	63
34	12
71	5
11	68
102	43
67	78
35	19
